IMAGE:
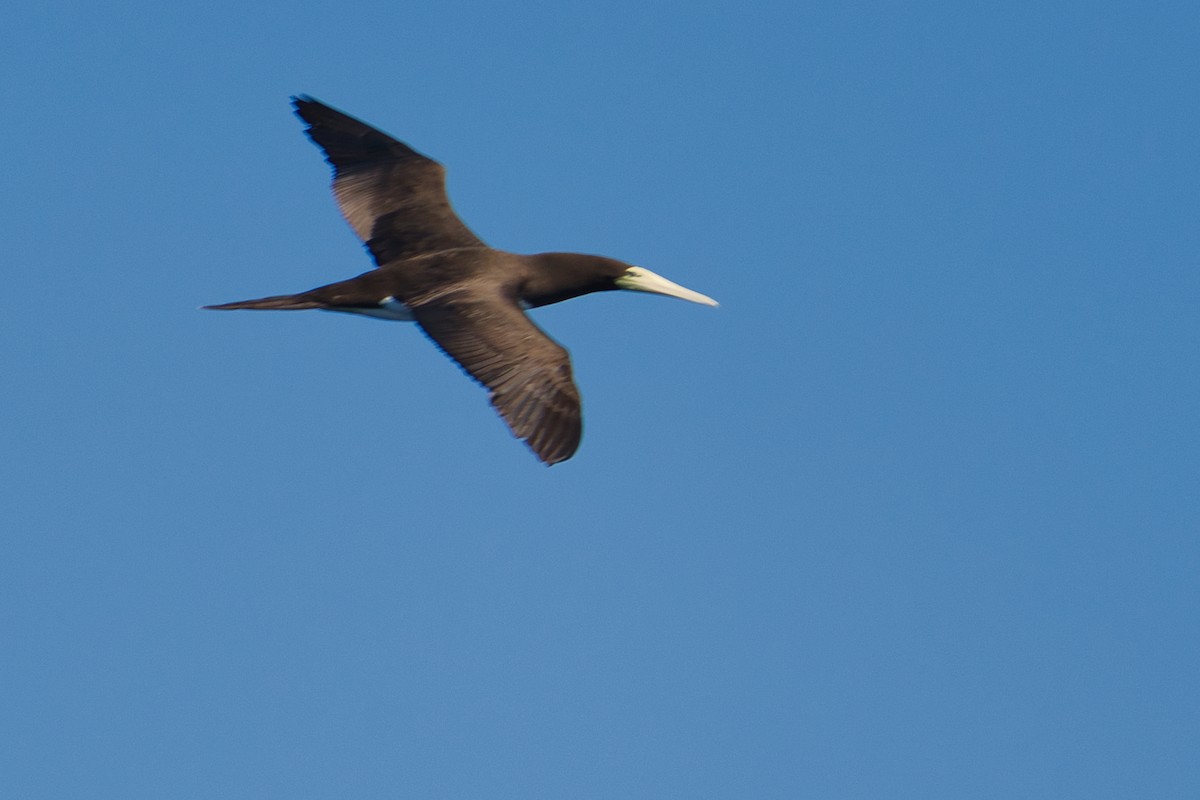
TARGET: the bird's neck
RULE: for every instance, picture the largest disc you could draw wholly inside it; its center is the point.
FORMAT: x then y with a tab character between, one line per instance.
553	277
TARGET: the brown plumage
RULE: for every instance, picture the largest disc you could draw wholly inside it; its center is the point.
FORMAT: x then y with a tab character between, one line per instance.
468	298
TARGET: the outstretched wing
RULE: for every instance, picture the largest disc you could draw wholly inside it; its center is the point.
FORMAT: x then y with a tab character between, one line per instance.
527	374
393	197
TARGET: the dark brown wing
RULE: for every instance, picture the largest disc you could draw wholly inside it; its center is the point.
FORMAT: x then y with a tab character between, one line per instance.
393	197
527	374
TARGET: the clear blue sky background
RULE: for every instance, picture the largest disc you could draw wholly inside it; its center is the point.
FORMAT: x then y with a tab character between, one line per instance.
914	514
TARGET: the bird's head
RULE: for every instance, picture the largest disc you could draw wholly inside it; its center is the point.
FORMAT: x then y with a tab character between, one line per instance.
553	277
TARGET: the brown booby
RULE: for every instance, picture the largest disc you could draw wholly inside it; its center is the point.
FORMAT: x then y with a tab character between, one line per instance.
470	299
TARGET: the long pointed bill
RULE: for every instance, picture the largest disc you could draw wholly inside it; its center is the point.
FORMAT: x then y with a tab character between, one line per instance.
640	279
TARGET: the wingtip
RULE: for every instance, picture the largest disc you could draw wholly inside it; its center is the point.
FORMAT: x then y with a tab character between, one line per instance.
305	105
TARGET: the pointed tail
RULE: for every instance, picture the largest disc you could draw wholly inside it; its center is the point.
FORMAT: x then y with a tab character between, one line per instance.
282	302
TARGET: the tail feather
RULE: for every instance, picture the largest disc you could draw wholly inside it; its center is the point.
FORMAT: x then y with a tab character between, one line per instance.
282	302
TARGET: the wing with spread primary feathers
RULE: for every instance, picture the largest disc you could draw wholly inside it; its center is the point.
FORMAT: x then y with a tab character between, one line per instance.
527	374
393	197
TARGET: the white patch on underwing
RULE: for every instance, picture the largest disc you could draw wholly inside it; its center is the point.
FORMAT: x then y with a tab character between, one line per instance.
389	308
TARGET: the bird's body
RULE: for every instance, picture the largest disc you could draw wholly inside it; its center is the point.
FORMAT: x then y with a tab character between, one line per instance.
470	299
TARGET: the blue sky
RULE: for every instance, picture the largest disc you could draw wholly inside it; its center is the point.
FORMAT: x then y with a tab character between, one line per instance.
913	514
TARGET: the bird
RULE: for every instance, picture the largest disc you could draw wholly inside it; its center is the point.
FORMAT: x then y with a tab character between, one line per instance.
468	298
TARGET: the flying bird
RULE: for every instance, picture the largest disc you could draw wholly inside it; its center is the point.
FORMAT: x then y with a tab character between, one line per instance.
468	298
